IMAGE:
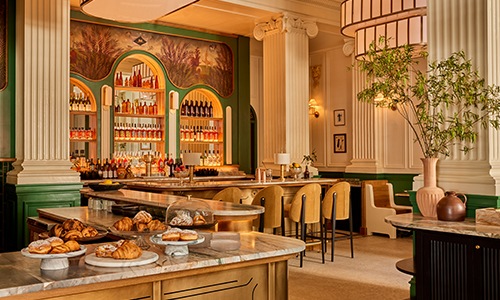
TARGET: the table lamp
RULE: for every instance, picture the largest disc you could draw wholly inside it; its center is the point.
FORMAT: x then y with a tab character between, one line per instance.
282	159
191	160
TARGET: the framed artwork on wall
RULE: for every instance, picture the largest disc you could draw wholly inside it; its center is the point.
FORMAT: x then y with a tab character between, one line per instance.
339	117
339	143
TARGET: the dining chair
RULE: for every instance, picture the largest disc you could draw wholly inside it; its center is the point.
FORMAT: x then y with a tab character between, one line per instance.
304	210
230	194
271	198
336	205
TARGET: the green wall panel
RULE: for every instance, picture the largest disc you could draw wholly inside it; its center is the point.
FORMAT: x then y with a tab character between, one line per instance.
22	201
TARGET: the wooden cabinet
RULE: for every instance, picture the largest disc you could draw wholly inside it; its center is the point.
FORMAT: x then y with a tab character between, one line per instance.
201	126
455	266
133	292
83	120
139	106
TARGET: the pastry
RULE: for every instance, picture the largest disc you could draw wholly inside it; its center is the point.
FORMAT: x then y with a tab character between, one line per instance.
72	235
56	230
73	224
105	250
142	217
199	219
39	247
172	234
156	225
55	241
124	224
128	250
182	218
189	235
60	249
89	231
72	245
141	227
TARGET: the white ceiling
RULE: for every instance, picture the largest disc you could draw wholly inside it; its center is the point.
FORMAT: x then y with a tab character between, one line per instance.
238	17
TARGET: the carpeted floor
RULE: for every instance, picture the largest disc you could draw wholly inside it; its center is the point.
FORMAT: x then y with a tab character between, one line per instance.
371	274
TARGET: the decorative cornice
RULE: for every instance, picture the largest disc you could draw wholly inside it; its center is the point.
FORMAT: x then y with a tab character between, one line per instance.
285	23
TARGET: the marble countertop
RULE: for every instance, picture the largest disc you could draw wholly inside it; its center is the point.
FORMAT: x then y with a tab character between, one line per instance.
171	186
22	275
219	208
467	227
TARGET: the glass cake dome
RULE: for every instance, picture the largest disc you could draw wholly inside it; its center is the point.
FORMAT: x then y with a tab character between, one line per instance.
190	214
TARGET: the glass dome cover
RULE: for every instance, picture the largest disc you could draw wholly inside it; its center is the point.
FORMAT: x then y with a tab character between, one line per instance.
190	214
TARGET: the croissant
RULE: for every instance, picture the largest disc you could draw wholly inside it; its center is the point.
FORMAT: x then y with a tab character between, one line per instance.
89	232
128	250
72	245
124	224
141	227
142	217
73	224
60	249
57	230
72	234
157	225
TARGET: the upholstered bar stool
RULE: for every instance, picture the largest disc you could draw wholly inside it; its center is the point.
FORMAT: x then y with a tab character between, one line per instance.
230	194
305	209
271	198
336	205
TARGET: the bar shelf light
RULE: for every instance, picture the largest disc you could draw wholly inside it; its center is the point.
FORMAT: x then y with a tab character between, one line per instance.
401	22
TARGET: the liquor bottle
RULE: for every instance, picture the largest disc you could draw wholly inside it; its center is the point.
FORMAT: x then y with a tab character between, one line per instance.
99	169
216	134
155	108
139	78
81	104
203	108
105	169
170	164
210	110
117	79
306	173
196	109
192	108
88	105
183	108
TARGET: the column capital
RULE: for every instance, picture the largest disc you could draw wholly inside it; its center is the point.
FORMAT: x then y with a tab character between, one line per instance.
348	48
285	23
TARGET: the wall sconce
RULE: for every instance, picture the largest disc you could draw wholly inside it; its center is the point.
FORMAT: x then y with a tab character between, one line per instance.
313	108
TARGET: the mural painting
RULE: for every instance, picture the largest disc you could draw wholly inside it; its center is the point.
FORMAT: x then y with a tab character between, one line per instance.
3	44
188	62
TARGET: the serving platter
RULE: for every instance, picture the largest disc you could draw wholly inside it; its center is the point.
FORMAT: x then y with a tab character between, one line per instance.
175	248
147	257
54	261
105	187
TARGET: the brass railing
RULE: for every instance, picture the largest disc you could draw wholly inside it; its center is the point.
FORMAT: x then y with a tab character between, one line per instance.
5	166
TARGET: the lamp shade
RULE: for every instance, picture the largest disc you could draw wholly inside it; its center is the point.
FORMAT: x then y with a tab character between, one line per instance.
282	158
132	11
191	159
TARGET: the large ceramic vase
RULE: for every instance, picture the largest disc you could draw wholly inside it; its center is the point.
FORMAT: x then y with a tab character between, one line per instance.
429	195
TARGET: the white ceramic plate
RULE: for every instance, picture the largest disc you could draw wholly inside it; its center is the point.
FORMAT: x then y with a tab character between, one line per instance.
156	239
26	253
147	257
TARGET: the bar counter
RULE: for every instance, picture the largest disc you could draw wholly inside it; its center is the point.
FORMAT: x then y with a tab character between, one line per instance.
258	268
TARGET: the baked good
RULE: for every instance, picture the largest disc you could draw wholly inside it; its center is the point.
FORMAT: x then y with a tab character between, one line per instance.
198	220
172	234
54	241
73	224
56	230
72	235
182	218
69	246
189	235
89	231
141	227
105	250
72	245
156	225
124	224
142	217
39	247
128	250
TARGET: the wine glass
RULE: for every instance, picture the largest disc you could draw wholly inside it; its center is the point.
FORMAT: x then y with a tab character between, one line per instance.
181	174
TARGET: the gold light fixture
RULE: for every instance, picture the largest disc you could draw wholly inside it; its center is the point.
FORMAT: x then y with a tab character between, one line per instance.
400	22
132	11
313	108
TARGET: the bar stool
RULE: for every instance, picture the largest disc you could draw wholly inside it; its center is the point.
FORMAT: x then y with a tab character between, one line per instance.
336	206
230	194
271	198
305	209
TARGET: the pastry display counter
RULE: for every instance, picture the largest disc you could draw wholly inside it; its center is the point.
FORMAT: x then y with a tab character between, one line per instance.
230	216
258	270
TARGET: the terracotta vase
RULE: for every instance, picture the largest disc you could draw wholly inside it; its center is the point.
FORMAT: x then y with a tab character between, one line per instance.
429	195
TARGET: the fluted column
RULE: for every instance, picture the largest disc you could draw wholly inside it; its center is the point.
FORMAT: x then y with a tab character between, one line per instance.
471	26
42	89
285	85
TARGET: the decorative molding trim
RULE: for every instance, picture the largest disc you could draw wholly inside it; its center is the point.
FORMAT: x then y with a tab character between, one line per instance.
285	23
348	47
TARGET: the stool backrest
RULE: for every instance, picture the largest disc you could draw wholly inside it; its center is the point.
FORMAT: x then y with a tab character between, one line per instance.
230	194
343	199
272	204
312	191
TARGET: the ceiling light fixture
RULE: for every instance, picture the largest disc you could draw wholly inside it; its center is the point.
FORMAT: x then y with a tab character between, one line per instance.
400	22
132	11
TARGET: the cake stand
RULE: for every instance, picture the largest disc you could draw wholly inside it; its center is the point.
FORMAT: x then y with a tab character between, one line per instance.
54	261
175	248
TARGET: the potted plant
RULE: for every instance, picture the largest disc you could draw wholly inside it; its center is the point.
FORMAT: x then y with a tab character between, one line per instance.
443	105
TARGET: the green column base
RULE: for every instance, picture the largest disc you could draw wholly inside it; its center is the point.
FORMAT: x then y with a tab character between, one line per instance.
22	201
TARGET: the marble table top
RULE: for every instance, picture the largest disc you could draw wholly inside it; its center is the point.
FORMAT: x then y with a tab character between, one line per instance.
22	275
219	208
467	227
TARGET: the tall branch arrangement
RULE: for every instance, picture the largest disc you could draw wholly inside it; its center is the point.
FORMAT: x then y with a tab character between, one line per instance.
443	105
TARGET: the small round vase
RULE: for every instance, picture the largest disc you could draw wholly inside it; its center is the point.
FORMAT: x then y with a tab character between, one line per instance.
429	195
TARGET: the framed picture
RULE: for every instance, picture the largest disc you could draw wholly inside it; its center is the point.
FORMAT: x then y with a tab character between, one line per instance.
145	146
339	141
339	117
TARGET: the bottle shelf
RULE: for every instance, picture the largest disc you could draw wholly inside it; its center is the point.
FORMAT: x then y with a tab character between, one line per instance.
201	142
138	89
82	112
139	116
200	118
138	141
83	140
